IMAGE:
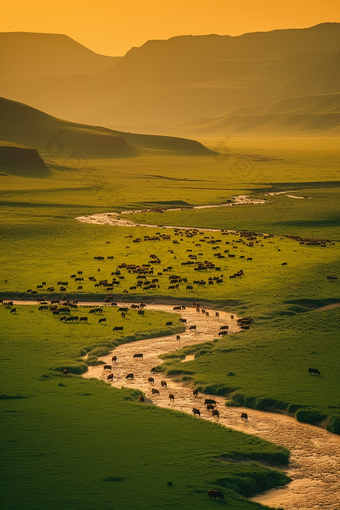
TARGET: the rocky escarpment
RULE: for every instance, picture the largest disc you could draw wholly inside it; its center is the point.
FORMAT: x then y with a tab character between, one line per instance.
16	159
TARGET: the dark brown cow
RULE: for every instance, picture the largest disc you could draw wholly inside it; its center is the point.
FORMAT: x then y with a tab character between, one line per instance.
210	407
107	367
164	384
244	416
110	377
172	397
151	380
196	411
192	328
195	392
178	337
154	391
65	371
138	355
114	358
130	376
141	398
216	413
215	494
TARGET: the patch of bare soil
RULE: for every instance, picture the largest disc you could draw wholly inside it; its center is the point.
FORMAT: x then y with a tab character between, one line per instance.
315	453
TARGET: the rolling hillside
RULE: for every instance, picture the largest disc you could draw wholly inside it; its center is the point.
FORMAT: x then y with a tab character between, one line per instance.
165	83
304	114
27	126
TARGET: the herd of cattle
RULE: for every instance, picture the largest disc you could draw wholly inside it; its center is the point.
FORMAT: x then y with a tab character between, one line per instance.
157	277
211	404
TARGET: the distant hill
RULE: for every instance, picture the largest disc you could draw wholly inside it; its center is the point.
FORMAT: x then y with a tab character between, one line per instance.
304	114
165	83
27	126
25	56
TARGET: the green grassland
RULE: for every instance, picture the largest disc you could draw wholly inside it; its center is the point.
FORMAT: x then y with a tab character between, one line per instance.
69	438
77	443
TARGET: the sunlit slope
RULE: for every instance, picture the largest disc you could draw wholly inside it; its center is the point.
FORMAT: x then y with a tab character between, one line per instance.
24	125
307	114
25	55
187	77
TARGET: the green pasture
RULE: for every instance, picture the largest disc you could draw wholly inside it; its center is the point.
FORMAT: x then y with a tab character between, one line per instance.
78	442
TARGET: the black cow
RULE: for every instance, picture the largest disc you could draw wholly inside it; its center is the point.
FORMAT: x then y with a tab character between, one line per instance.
209	401
154	391
215	494
107	367
244	416
110	377
172	397
168	324
141	398
196	411
118	328
83	319
151	380
210	407
130	376
195	392
140	355
102	320
216	413
192	328
314	371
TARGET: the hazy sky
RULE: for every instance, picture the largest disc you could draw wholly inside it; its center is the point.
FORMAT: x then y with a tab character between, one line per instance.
112	27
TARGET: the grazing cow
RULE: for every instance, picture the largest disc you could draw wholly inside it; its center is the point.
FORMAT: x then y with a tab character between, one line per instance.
249	258
332	277
216	413
177	308
215	494
13	310
114	358
151	380
140	355
209	401
118	328
190	287
154	370
168	324
130	376
223	328
217	314
207	314
123	315
141	312
244	416
314	371
134	306
102	320
284	264
183	320
171	397
154	391
164	384
195	392
210	407
110	377
141	398
192	328
222	333
83	319
107	367
65	371
178	337
196	411
61	318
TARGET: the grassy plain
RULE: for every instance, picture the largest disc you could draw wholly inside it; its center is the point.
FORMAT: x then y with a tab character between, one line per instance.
69	424
79	443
